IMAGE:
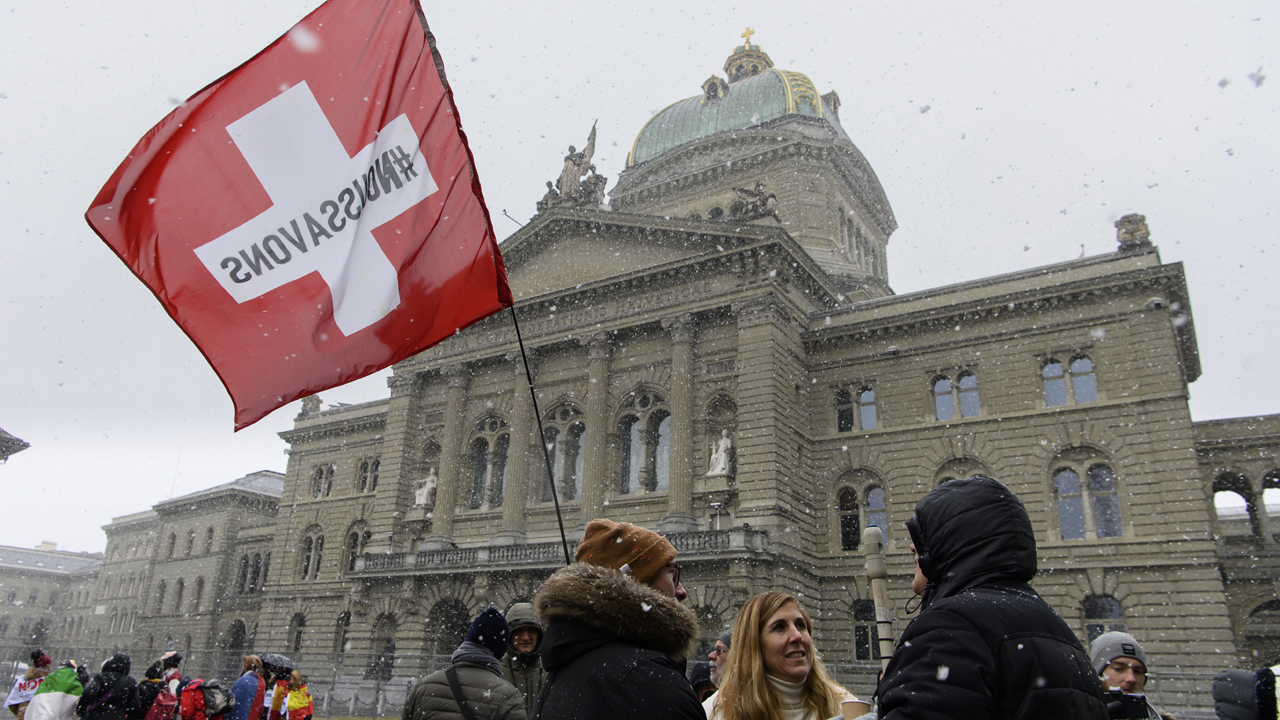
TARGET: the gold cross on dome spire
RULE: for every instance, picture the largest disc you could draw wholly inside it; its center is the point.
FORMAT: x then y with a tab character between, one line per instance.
747	36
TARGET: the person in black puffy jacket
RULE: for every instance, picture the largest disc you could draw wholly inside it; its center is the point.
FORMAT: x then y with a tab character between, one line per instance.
111	694
985	644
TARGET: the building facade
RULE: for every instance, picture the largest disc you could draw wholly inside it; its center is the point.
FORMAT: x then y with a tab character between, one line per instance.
718	354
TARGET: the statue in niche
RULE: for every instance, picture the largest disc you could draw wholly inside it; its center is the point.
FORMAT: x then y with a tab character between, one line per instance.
721	456
425	495
755	204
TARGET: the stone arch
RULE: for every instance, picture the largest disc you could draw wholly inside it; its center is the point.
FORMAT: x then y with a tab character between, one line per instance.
445	626
959	467
848	507
234	642
1262	634
382	647
1238	482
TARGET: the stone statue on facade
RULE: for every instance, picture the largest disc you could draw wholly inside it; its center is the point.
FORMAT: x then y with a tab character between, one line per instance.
425	495
721	456
755	204
551	198
575	166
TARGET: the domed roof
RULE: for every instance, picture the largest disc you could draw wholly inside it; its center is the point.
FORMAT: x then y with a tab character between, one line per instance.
756	93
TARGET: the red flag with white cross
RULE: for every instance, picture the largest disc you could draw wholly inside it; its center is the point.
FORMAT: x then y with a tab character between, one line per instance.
314	216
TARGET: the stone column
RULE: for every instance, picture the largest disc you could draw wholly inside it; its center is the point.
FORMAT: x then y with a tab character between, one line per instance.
680	490
516	492
453	437
595	469
398	467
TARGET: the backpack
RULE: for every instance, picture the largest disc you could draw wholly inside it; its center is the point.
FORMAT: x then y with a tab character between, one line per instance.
165	707
216	700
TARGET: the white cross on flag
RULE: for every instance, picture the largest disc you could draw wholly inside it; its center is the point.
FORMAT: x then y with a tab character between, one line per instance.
314	216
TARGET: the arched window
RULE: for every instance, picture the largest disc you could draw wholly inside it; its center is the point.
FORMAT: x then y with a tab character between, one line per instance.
865	417
160	597
969	405
877	509
1084	487
178	588
322	480
866	637
1262	633
198	595
173	544
850	523
383	648
488	460
1102	614
191	543
1236	503
844	411
4	625
944	406
957	468
356	543
312	552
645	432
266	565
255	575
1072	383
242	580
566	436
367	474
208	541
446	626
296	624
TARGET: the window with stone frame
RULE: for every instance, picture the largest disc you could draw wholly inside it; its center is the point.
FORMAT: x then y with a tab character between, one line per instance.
191	543
178	590
357	540
565	434
866	636
850	519
173	545
949	395
1070	383
487	460
1087	497
856	410
296	625
197	595
311	555
322	480
1102	614
344	627
383	648
644	433
367	474
208	541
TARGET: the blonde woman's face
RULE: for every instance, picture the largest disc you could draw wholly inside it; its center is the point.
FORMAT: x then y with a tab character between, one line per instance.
786	645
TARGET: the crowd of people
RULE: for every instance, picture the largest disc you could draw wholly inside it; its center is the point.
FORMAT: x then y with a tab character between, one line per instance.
608	637
269	688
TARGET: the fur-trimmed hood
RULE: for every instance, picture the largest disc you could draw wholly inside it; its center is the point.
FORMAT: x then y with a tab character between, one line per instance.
609	601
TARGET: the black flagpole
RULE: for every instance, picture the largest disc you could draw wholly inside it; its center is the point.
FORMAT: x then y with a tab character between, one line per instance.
542	436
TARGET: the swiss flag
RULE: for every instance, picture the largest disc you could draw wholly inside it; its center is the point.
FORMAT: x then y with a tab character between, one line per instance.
314	216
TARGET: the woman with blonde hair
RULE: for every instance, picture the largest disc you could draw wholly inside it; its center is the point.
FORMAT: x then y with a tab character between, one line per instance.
773	672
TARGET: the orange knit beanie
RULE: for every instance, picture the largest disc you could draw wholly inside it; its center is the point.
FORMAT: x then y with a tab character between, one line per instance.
618	544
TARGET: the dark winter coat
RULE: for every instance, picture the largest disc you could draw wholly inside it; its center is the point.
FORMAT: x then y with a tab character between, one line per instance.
985	644
111	694
490	697
524	670
614	649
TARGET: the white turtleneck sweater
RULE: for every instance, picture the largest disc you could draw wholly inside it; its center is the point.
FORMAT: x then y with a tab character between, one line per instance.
792	697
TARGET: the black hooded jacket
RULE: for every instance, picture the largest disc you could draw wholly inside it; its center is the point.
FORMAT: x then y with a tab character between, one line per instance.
985	644
614	649
111	694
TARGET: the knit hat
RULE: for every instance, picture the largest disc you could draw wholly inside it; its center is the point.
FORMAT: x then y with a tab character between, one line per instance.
1109	646
726	637
490	631
619	545
40	658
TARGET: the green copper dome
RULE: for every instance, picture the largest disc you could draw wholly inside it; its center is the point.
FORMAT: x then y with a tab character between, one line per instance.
756	94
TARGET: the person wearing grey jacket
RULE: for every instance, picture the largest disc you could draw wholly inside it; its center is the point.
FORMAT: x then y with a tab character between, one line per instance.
522	665
471	688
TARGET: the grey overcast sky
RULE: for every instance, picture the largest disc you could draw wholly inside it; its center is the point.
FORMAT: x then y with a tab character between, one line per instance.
1006	136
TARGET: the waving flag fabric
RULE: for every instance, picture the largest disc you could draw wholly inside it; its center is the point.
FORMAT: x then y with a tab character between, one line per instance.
314	216
56	697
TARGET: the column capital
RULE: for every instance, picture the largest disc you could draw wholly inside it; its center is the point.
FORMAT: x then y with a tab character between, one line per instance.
599	346
681	327
457	375
402	385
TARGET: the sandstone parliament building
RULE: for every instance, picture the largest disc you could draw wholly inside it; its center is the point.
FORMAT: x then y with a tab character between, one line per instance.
717	354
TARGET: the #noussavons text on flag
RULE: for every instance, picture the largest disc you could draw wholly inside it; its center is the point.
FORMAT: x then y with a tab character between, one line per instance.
314	215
